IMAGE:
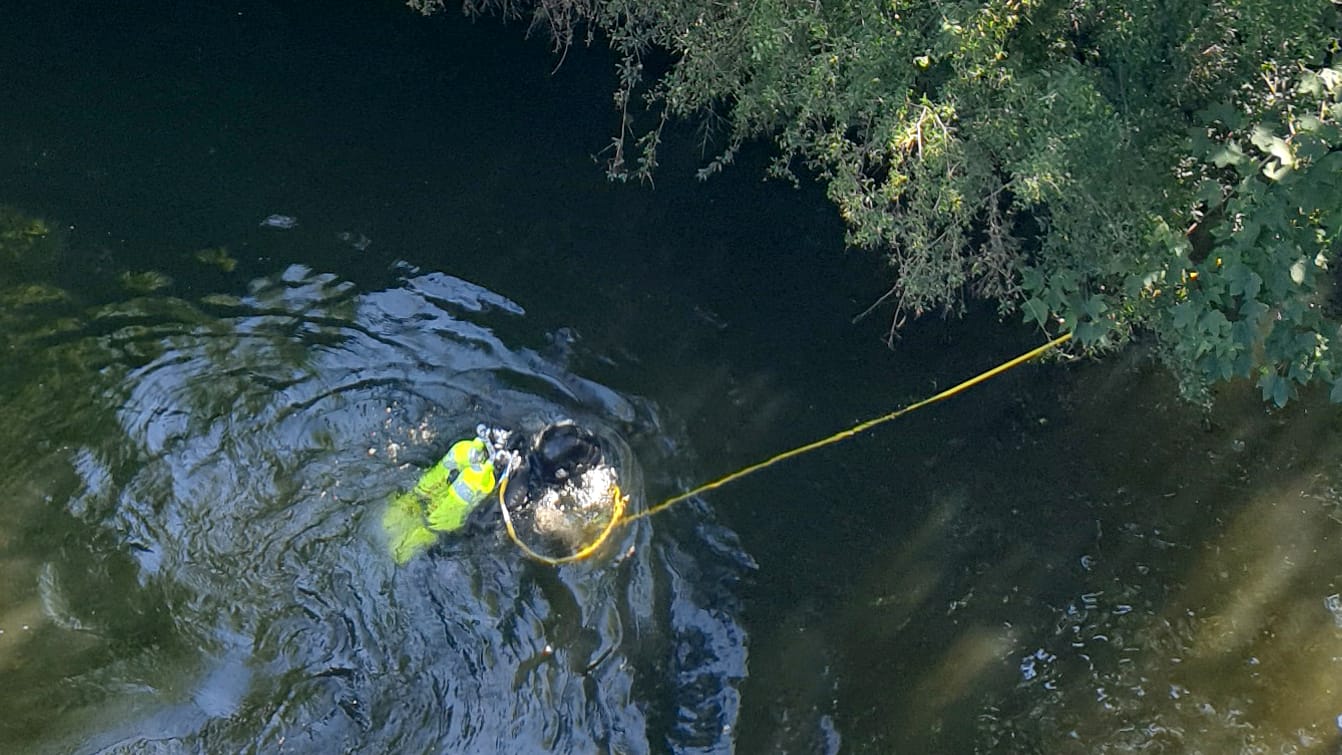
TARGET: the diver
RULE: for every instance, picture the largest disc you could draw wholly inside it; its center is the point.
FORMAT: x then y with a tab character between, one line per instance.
561	475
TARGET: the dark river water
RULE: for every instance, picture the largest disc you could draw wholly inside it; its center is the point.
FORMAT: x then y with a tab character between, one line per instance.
202	415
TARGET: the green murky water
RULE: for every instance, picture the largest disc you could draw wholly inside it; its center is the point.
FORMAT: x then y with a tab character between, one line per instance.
202	414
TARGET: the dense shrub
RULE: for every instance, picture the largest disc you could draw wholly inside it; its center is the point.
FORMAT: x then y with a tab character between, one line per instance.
1114	168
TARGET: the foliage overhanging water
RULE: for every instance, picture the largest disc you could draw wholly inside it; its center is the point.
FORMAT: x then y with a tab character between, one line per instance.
194	452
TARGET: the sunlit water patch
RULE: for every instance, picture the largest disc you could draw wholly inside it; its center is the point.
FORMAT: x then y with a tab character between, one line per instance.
1172	589
192	558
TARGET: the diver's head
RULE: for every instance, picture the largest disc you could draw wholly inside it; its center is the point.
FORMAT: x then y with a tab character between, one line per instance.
564	451
568	489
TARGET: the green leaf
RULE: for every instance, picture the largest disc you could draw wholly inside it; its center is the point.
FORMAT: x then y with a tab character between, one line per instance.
1298	372
1277	171
1275	388
1262	137
1224	113
1282	151
1031	279
1243	364
1229	155
1253	285
1185	314
1089	332
1094	306
1243	333
1306	342
1213	322
1298	272
1209	193
1253	311
1035	311
1248	235
1065	282
1335	395
1133	285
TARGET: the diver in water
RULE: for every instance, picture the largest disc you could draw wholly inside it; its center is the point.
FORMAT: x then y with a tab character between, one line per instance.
558	455
560	472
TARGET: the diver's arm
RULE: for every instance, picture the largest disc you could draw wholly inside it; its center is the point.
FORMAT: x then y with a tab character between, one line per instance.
519	482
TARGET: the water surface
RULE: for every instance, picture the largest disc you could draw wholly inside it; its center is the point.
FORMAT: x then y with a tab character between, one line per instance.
202	415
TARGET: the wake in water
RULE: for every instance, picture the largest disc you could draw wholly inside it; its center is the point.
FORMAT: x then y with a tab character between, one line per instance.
220	465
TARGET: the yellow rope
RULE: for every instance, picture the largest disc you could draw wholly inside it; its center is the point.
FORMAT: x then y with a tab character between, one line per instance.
621	501
616	516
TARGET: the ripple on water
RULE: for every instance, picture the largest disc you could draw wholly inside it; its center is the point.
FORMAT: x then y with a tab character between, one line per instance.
255	438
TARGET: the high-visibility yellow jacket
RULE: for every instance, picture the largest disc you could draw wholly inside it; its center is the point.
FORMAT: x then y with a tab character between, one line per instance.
441	500
449	498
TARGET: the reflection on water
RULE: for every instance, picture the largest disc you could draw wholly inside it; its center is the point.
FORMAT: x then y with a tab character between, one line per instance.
1171	590
192	558
194	561
191	466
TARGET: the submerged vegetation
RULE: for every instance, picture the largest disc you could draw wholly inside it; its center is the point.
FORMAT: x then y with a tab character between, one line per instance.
1169	170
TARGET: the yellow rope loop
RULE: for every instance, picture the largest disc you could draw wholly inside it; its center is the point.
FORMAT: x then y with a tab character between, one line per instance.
621	502
616	516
